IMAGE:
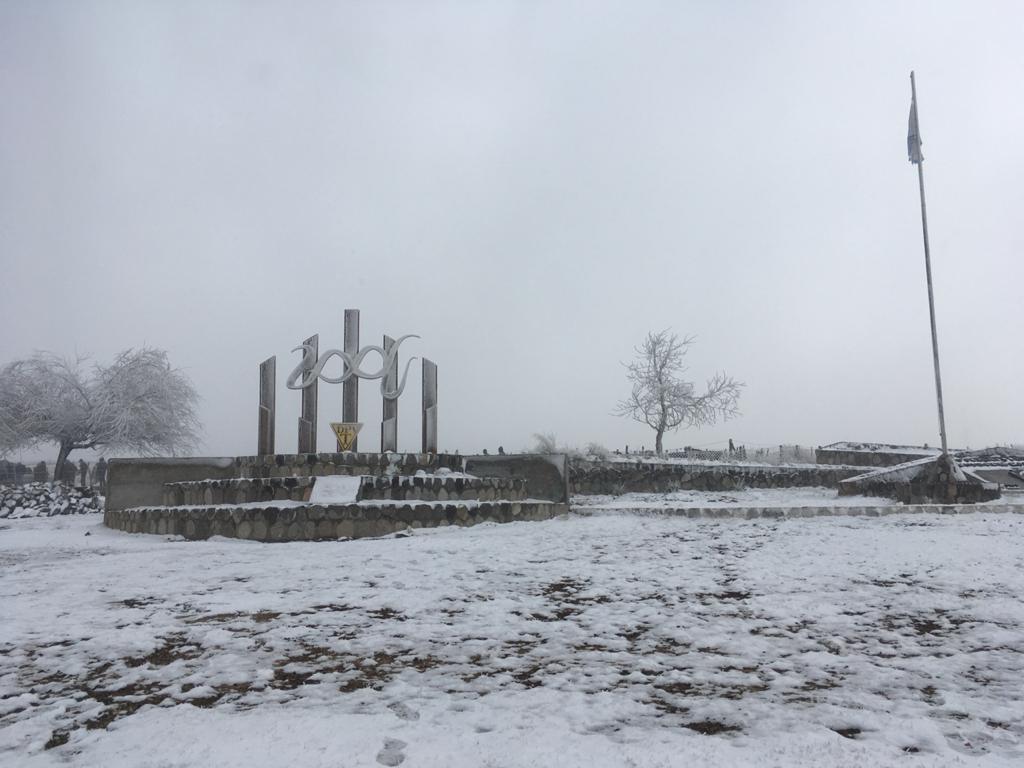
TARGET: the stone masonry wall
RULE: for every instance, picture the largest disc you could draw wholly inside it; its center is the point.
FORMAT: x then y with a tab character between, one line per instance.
866	458
442	488
320	522
318	464
545	474
923	491
586	477
140	482
398	488
241	491
937	480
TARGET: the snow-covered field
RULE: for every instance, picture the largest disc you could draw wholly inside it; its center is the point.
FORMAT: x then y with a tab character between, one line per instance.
751	497
582	641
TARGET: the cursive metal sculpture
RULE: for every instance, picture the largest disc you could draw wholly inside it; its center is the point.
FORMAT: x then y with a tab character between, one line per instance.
310	368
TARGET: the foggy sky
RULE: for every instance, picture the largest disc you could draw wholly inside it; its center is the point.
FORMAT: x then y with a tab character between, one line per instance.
531	187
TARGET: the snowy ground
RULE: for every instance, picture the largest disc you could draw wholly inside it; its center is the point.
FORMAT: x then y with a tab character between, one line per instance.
596	641
753	497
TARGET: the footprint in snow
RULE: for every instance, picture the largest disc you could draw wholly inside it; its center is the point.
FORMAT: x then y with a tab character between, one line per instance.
392	753
404	711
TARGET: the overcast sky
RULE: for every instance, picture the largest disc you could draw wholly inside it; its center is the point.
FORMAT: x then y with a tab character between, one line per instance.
531	187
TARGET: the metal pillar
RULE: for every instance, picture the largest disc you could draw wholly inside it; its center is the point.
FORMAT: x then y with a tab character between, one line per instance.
429	406
350	389
389	415
268	383
307	418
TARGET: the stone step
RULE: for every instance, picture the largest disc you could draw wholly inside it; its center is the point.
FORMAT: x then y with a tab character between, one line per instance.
293	521
347	463
244	490
371	487
442	488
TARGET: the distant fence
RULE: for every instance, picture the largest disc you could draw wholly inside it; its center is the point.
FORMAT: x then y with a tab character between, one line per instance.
776	454
18	473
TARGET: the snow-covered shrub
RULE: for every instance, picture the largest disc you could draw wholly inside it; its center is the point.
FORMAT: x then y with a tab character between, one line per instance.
547	443
544	443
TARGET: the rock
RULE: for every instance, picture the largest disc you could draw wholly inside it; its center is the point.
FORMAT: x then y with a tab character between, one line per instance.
46	500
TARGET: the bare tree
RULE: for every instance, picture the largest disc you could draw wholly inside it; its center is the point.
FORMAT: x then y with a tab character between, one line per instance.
138	403
664	401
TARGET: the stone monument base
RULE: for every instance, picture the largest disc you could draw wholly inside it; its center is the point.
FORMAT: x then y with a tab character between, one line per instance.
931	480
310	497
321	522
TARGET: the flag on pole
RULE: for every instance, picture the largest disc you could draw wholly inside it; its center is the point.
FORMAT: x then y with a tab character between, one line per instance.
913	134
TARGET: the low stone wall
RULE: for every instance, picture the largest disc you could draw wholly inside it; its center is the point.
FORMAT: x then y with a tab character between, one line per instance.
614	478
442	488
879	458
921	492
237	491
349	463
140	482
546	475
934	480
46	500
371	487
316	522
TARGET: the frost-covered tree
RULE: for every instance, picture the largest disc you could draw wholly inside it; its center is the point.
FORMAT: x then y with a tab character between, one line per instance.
138	403
544	442
662	400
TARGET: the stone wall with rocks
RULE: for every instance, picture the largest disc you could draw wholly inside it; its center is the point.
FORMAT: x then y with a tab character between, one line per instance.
865	458
349	463
614	478
320	522
923	492
237	491
545	474
927	481
140	482
442	488
47	500
246	490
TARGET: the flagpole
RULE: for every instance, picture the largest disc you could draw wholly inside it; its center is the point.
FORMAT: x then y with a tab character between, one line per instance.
928	272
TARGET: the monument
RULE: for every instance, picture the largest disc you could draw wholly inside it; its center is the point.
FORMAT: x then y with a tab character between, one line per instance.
275	496
309	372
